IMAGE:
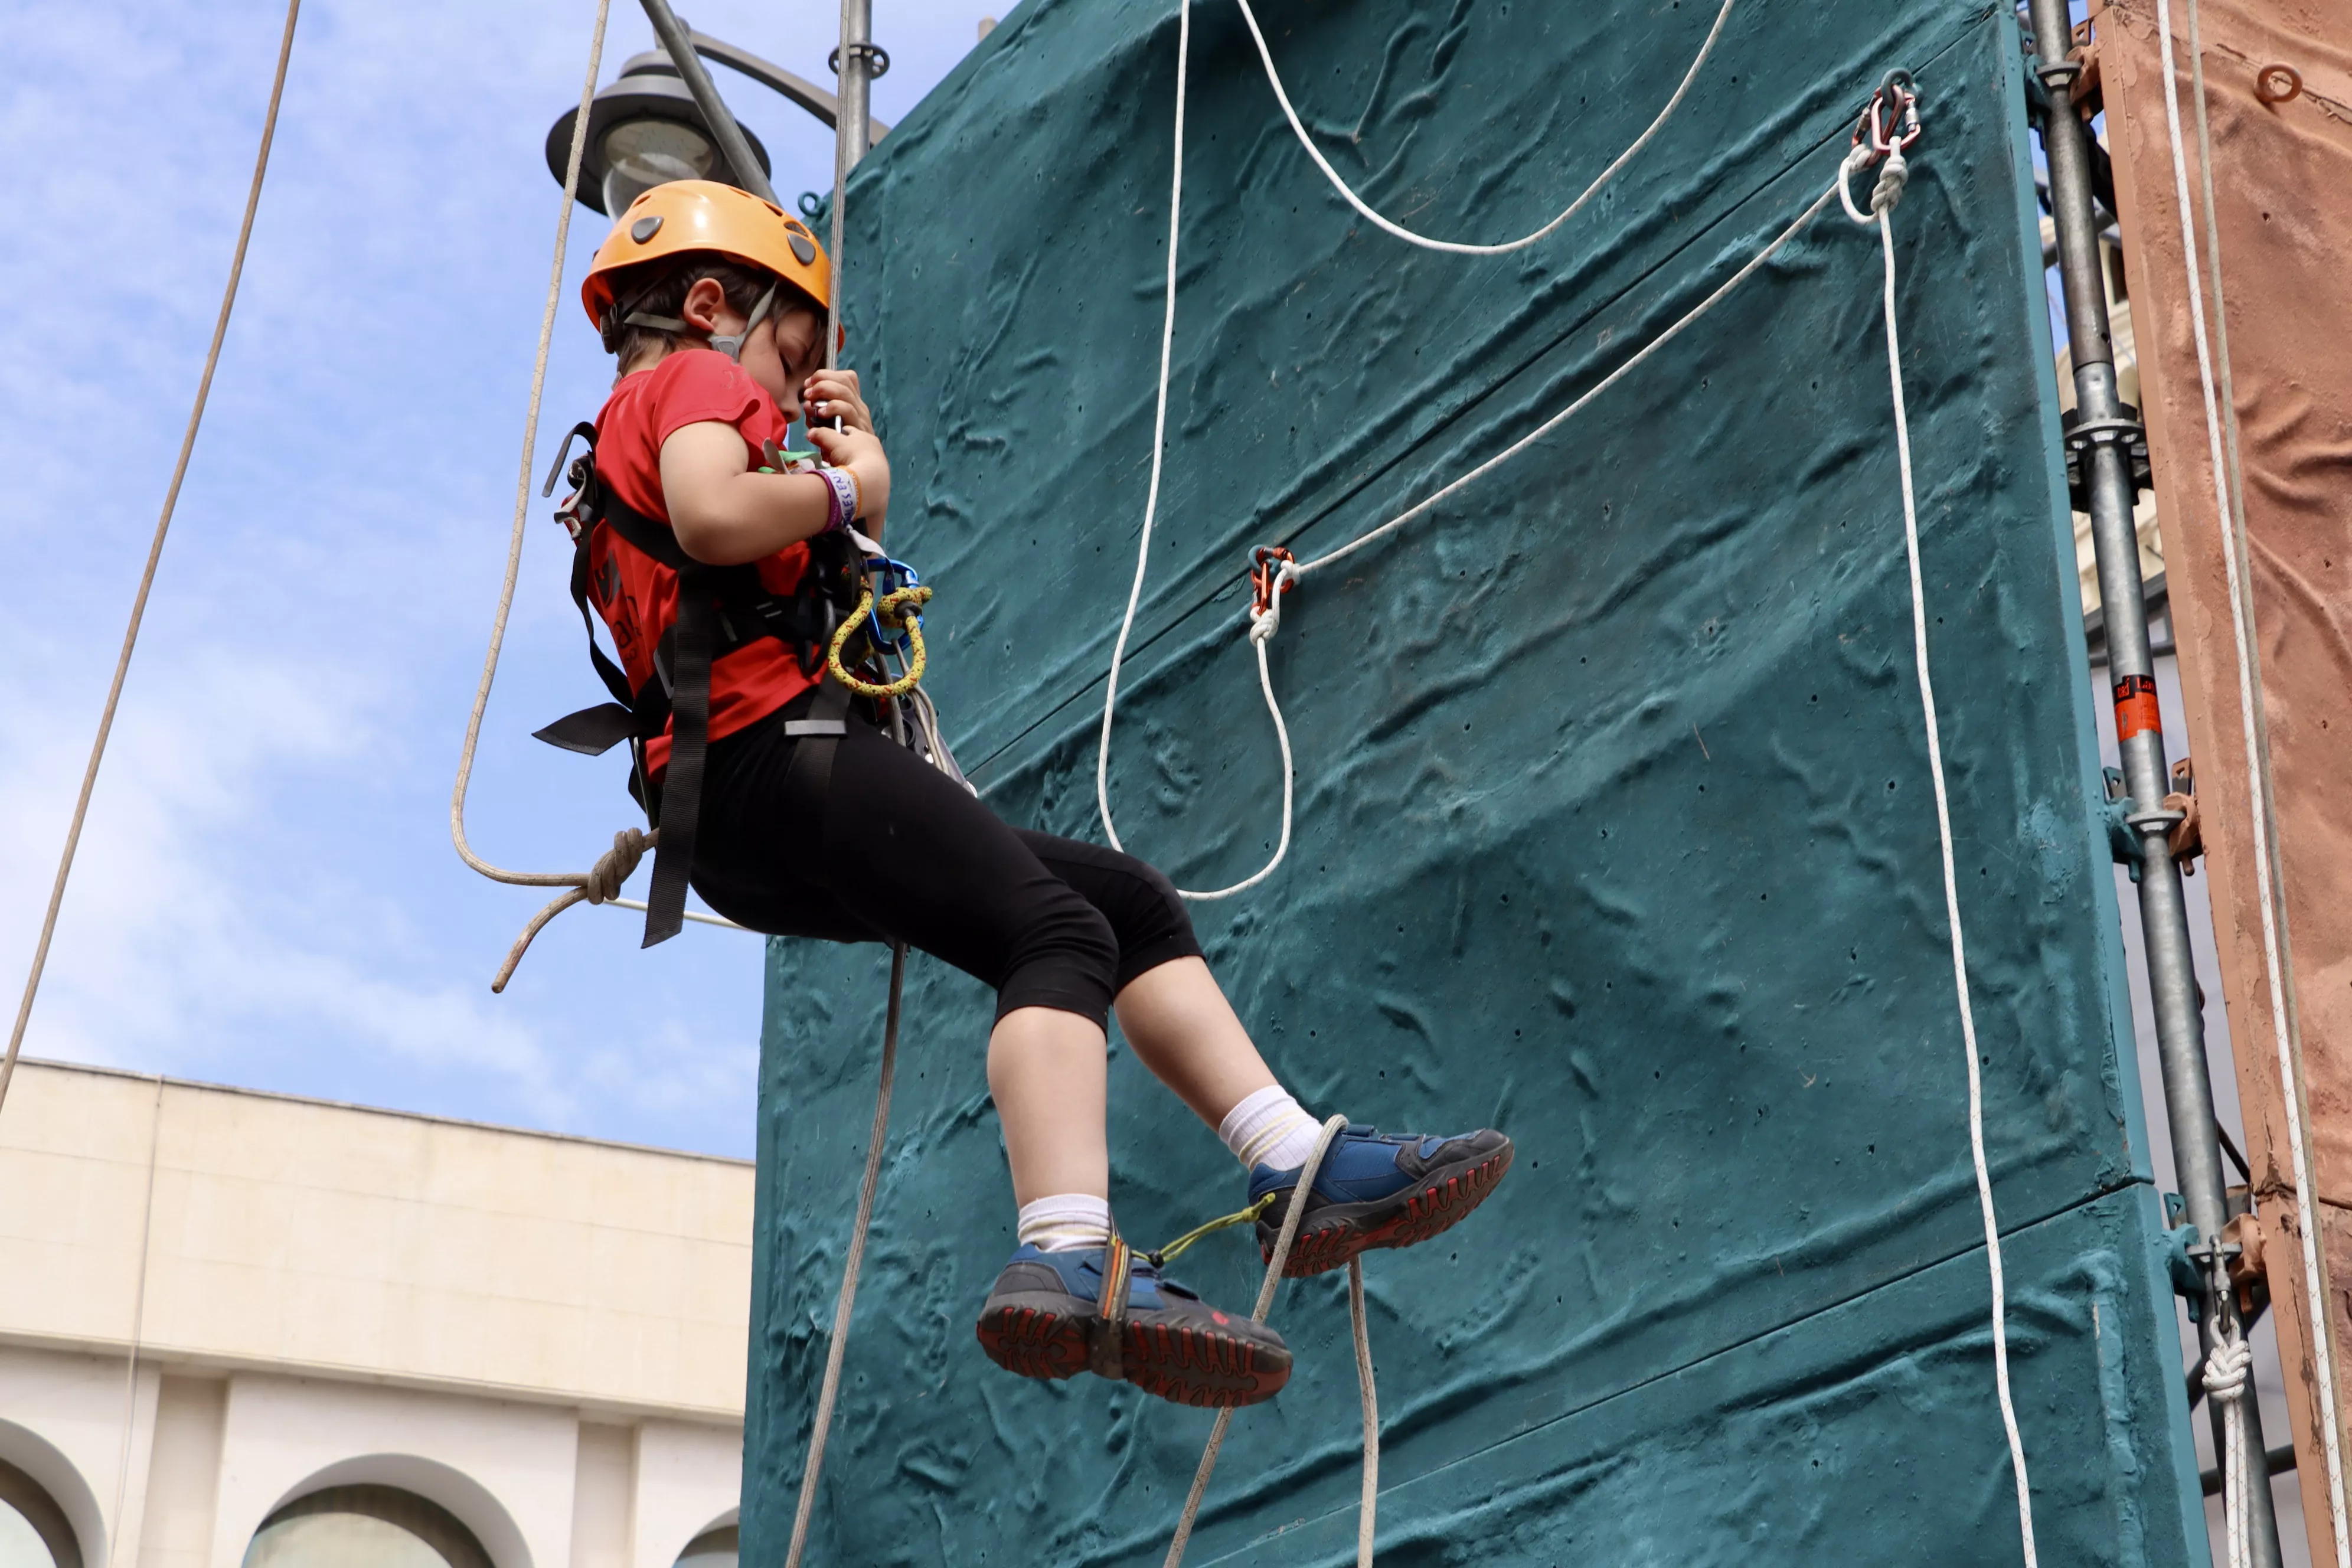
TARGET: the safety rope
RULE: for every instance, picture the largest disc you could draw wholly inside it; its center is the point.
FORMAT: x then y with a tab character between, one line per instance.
1275	1264
1267	618
576	884
2226	1366
154	556
1889	124
2230	518
900	611
1888	191
829	1388
1274	78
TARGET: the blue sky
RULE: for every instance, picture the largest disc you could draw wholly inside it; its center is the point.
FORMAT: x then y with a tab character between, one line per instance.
265	893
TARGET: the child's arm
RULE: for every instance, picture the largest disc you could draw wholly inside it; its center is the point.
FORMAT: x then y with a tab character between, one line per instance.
725	514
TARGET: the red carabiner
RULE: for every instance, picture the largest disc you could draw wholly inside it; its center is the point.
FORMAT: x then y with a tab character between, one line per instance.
1890	121
1266	576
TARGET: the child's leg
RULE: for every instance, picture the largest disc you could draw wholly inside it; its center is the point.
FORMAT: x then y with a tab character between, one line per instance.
1184	1031
1046	1071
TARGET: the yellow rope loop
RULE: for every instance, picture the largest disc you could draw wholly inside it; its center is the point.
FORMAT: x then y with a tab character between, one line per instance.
1243	1217
899	610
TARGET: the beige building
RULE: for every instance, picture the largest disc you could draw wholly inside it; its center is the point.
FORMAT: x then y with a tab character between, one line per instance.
245	1328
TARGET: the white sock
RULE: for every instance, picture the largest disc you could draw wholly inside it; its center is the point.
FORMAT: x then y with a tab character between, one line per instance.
1066	1221
1270	1127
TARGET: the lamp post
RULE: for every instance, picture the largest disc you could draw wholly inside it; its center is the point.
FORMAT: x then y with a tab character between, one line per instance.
653	123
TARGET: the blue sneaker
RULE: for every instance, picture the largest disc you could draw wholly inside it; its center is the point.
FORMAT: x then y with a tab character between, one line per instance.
1045	1318
1375	1191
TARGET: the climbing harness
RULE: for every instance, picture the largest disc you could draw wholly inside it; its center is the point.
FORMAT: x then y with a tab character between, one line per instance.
154	556
1889	126
1273	79
2229	509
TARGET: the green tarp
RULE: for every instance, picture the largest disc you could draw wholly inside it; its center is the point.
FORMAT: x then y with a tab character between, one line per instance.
1614	827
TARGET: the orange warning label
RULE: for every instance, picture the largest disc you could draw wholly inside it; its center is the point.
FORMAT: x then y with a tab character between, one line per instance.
2136	709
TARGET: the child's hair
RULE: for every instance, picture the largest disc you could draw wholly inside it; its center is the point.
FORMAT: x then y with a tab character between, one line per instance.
660	289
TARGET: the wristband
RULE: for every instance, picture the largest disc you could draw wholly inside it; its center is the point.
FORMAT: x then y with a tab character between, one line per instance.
841	497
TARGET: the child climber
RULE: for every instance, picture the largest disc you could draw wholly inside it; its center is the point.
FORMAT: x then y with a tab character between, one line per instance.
814	826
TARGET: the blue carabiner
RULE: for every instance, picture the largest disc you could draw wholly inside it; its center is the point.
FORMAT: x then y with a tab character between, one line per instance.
895	576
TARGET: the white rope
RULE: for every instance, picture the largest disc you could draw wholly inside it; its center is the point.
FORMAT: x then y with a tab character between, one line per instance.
1273	79
155	558
576	883
2225	1379
1889	190
1263	627
829	1390
2263	847
1275	1264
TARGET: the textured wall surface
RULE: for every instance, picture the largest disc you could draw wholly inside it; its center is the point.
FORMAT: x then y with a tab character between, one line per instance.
1614	821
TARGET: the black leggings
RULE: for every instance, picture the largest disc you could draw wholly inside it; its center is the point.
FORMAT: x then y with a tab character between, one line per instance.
894	851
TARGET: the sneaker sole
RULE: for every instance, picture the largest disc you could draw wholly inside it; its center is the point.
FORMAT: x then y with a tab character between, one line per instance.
1036	1336
1343	1232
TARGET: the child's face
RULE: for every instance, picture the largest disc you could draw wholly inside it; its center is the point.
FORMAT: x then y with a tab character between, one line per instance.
782	355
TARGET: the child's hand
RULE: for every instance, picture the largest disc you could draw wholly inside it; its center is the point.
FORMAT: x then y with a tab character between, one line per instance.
831	395
859	450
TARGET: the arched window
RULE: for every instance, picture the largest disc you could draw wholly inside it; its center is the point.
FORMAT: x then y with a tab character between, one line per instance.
711	1549
364	1527
33	1529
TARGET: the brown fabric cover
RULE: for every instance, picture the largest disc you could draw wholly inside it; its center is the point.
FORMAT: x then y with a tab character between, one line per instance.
2282	194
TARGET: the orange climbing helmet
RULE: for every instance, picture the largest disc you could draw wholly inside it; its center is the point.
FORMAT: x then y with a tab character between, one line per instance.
686	216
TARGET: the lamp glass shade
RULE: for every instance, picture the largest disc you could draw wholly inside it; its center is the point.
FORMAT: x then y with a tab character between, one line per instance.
642	154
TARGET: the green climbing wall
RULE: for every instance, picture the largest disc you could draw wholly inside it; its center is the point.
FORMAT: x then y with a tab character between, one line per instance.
1614	824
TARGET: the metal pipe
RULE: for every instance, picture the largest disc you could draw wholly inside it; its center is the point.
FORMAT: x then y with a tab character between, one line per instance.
768	74
678	43
2102	436
852	138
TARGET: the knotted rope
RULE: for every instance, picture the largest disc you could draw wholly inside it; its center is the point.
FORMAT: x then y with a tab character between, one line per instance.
1880	143
2226	1366
900	611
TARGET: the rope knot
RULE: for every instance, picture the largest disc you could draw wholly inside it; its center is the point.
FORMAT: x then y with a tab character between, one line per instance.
2225	1370
1891	177
615	864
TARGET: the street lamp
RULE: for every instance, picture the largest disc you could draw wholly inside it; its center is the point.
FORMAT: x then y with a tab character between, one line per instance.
645	129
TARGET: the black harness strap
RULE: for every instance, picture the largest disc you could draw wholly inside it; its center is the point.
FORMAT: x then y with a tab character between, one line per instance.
719	609
689	742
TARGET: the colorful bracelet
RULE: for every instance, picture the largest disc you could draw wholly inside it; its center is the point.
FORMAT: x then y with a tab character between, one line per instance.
841	497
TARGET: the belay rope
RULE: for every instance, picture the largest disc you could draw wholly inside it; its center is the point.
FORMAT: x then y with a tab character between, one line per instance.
1889	124
155	558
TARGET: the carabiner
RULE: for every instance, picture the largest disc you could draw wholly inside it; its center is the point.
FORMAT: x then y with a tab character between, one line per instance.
1266	577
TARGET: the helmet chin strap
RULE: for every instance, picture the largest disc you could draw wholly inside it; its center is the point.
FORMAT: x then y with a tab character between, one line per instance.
730	344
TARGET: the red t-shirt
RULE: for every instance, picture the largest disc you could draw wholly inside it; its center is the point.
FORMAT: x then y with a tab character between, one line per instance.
636	593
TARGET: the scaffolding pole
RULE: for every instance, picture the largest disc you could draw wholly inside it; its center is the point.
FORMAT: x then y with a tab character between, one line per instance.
2101	438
